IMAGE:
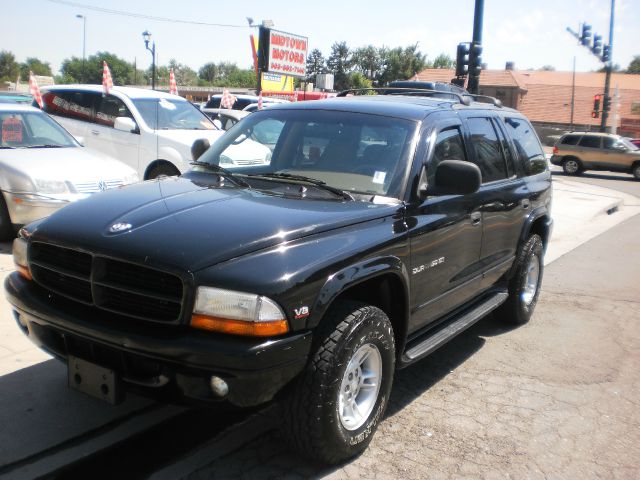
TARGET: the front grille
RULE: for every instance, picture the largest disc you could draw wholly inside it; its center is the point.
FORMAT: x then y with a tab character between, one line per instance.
93	187
258	161
107	284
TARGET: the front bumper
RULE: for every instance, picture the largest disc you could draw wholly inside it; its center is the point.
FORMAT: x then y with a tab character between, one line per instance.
25	208
185	359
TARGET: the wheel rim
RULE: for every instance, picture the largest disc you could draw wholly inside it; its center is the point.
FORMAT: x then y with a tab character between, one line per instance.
636	172
571	166
531	280
360	387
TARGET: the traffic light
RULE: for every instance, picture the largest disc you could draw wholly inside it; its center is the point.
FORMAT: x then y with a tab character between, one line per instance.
475	60
597	44
585	35
596	106
606	53
462	60
606	103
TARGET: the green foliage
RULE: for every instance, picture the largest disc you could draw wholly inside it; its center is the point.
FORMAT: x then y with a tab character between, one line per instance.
358	80
9	68
72	69
315	63
368	61
401	63
36	66
443	61
226	74
339	63
634	65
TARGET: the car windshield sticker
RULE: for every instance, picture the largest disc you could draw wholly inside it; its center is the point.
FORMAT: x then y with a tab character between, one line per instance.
12	130
379	177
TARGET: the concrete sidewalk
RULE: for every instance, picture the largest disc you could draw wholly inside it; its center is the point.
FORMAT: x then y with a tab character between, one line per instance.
46	425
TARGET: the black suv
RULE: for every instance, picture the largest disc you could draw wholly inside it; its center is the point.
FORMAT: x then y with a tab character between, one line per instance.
382	226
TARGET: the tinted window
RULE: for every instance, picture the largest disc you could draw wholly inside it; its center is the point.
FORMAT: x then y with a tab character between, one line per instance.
488	150
213	103
166	114
590	141
449	146
506	151
527	145
570	140
109	109
70	104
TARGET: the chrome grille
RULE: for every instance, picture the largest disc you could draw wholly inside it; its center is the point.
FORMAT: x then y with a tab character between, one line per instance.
107	284
93	187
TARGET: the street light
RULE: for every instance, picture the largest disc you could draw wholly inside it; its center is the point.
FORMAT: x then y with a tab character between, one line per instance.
84	44
147	38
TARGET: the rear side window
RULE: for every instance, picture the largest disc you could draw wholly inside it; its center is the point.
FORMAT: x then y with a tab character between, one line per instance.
527	145
590	141
570	140
69	104
488	149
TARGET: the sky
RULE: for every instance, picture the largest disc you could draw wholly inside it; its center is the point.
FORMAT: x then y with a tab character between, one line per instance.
531	33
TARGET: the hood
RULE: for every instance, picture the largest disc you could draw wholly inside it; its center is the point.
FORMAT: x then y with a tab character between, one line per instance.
186	224
71	164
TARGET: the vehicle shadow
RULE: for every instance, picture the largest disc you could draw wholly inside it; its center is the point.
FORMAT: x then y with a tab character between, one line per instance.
269	456
38	414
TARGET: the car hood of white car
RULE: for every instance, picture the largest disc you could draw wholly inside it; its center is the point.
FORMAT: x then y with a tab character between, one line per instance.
187	137
73	164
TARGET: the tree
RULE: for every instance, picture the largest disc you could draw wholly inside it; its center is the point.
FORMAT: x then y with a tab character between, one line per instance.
9	68
208	72
443	61
36	66
184	75
358	80
72	70
339	63
368	61
401	63
634	66
315	63
548	68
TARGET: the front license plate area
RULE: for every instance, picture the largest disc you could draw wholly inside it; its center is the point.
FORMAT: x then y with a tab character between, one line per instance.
97	381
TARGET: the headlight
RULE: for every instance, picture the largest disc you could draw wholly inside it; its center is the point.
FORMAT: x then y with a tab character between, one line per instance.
51	186
237	313
20	258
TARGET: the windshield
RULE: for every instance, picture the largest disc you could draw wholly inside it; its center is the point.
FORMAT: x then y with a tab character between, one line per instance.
169	114
32	130
353	152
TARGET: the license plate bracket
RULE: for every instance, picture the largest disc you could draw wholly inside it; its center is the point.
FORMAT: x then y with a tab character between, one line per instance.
94	380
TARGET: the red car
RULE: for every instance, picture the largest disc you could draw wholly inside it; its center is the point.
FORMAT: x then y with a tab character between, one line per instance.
636	142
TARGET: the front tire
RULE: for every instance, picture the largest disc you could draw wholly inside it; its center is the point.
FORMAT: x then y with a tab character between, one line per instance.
635	170
340	398
524	286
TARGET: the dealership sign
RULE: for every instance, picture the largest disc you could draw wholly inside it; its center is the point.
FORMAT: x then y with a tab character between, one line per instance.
287	54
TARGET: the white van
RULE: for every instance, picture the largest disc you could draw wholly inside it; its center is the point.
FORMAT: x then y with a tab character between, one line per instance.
149	130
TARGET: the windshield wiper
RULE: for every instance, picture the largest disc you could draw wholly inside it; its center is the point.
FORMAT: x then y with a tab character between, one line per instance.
46	145
301	178
222	172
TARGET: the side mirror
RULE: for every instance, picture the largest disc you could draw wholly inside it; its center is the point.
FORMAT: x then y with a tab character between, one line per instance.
125	124
199	147
453	177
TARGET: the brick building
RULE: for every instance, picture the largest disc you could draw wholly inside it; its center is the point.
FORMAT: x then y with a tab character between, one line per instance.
545	97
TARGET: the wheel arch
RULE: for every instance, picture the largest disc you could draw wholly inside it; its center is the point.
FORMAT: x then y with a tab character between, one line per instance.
538	222
382	283
159	163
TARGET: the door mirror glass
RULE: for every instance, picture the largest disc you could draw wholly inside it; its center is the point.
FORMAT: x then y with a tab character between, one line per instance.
456	177
125	124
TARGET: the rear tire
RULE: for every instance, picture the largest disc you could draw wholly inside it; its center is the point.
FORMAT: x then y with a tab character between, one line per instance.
572	166
524	286
6	227
337	403
163	170
635	170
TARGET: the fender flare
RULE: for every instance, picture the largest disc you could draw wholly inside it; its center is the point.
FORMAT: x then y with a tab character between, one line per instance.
355	274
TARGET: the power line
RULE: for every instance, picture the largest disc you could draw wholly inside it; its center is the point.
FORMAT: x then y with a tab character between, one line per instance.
140	15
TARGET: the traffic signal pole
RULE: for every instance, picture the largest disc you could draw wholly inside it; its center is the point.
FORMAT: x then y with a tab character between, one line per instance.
607	77
476	43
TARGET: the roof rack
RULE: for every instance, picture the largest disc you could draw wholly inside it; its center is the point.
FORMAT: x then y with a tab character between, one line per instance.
487	99
462	98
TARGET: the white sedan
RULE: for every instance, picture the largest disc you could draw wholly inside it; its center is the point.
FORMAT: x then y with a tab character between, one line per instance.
43	168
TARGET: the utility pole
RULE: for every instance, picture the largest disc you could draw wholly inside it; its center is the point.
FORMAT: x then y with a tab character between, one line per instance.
608	66
476	49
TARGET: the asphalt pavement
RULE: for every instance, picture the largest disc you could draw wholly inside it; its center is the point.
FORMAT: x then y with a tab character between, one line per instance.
43	425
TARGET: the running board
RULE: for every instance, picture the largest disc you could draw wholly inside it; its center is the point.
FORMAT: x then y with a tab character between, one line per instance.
453	328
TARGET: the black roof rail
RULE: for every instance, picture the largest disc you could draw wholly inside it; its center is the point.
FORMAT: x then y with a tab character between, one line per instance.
487	99
462	98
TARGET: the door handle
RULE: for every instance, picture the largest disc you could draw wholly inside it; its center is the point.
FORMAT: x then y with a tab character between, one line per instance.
95	132
475	218
525	204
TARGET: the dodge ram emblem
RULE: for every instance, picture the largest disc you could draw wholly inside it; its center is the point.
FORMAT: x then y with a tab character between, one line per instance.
119	227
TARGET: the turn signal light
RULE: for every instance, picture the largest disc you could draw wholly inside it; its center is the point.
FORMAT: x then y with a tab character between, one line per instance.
240	327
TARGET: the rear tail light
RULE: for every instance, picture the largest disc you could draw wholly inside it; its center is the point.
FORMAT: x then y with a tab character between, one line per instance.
555	150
